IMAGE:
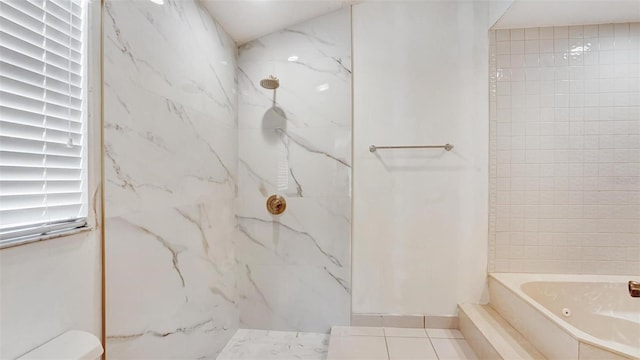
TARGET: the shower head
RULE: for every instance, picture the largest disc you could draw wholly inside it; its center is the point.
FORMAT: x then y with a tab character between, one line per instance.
271	83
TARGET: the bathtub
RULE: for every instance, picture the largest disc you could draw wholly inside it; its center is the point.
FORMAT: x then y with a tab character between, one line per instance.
571	316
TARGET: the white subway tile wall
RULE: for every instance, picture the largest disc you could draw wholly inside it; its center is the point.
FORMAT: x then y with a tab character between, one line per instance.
565	149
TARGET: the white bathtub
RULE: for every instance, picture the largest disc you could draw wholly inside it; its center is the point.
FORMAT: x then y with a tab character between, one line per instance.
603	320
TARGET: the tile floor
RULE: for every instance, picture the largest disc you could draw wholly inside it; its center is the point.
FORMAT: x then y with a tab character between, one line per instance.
271	345
373	343
363	343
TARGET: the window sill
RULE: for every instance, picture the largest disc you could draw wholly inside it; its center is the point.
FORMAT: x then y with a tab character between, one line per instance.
37	238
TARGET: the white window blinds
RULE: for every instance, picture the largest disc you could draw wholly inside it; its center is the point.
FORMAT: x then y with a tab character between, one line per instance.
43	180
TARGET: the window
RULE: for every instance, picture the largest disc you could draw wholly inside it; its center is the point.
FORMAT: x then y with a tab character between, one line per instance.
43	162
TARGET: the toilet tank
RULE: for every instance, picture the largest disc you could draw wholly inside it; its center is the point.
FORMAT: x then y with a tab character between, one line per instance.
72	345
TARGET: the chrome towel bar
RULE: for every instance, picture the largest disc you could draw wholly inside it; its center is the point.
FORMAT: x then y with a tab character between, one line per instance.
447	147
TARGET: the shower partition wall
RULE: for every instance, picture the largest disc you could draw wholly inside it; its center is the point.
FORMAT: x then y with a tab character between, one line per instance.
178	277
295	141
170	181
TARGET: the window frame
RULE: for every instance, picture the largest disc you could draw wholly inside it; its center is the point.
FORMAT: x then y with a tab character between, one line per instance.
92	138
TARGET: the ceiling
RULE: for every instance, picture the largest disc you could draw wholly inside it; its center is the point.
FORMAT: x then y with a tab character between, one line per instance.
539	13
246	20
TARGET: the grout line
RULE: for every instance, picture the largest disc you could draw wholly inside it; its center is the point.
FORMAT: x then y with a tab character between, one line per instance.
386	344
432	346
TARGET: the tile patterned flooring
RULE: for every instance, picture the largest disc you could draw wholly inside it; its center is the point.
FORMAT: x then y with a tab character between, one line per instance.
369	343
249	344
362	343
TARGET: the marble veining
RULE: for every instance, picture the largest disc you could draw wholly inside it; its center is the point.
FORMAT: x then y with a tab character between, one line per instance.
133	32
171	180
182	258
293	271
298	234
263	344
166	133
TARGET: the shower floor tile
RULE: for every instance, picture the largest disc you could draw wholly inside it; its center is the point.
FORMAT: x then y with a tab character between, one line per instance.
348	343
275	345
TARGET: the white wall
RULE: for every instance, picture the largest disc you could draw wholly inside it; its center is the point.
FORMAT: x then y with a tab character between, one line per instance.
420	216
497	9
49	287
565	141
294	269
52	286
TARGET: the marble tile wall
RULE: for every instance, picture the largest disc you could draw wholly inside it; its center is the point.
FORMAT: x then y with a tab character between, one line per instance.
170	171
565	149
294	270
